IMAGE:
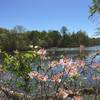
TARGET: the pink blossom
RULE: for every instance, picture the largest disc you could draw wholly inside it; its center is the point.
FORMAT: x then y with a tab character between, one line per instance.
95	65
65	62
62	93
38	76
96	77
77	98
53	64
41	51
79	63
73	71
57	77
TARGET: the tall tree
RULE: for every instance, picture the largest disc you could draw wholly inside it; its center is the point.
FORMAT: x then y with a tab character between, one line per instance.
64	30
82	38
18	29
34	37
54	38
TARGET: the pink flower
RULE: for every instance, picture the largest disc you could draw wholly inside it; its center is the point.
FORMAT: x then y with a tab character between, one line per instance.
79	63
62	93
71	71
45	78
42	78
65	62
38	76
77	98
42	51
95	65
33	74
53	64
96	77
57	77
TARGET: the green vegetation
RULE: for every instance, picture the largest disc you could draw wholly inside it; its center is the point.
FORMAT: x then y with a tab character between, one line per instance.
20	39
20	64
95	10
95	7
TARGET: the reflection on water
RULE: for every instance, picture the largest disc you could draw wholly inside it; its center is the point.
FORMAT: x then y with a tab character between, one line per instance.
75	50
72	52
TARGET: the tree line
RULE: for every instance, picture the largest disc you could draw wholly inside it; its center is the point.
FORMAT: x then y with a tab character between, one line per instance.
20	39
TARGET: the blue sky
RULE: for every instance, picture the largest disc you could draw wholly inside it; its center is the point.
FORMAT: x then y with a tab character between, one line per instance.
47	14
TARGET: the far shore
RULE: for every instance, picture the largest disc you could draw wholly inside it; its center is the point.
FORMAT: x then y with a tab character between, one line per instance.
71	48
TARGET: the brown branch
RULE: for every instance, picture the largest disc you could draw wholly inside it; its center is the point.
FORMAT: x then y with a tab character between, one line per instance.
14	94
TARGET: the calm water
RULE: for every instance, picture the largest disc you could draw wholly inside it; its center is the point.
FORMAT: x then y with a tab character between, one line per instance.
94	48
71	51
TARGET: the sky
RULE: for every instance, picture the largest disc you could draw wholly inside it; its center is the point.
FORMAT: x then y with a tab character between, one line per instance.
47	15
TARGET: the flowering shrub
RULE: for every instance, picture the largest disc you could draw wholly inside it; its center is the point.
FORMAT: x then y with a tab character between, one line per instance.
50	82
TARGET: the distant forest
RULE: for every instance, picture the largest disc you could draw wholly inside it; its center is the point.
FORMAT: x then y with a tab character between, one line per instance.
20	39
